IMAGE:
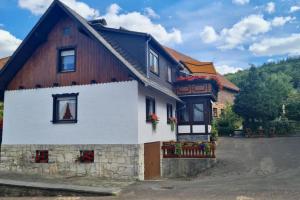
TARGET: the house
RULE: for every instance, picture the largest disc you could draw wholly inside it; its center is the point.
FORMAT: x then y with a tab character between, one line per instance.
82	98
226	93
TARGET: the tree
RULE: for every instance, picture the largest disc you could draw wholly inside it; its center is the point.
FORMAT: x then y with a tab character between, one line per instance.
276	89
228	121
293	106
261	97
248	102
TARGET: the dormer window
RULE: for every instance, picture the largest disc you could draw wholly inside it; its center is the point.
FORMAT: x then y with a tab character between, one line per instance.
66	60
169	76
153	62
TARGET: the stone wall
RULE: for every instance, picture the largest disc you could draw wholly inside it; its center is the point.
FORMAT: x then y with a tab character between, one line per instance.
123	161
185	167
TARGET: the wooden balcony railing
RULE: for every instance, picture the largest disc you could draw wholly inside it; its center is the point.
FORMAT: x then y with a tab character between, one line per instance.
188	150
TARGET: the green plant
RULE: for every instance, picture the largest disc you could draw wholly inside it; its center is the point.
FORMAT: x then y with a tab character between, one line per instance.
228	121
282	126
214	130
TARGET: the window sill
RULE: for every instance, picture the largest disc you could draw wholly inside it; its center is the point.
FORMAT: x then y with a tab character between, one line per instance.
65	122
156	74
66	71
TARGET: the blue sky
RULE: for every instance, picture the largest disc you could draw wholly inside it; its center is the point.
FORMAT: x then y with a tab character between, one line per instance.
231	33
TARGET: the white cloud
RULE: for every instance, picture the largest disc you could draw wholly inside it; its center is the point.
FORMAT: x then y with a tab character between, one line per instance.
243	30
38	7
209	35
8	43
294	8
270	7
240	2
136	21
280	21
277	46
225	69
151	13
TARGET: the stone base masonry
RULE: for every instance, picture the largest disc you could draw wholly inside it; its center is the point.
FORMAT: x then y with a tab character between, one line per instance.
118	161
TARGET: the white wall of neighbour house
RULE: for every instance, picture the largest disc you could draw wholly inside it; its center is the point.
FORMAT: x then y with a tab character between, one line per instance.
107	114
163	131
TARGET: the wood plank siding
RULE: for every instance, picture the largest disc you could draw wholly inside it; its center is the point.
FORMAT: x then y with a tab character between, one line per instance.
93	61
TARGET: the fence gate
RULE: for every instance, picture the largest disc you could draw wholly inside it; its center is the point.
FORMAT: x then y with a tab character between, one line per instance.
152	160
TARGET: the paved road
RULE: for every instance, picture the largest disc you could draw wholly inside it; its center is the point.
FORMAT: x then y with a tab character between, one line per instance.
262	168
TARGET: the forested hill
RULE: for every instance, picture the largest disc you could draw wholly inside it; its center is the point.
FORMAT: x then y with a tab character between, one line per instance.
289	67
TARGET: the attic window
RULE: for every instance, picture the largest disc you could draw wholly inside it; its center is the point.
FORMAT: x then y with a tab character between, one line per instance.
66	60
153	62
65	108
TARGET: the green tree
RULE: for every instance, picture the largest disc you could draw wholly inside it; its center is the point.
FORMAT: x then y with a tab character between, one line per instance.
248	102
293	106
261	97
228	121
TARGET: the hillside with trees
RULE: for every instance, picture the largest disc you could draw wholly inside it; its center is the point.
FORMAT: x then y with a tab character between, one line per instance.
269	95
289	67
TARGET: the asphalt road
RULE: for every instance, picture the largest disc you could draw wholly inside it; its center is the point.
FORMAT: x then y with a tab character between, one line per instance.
261	168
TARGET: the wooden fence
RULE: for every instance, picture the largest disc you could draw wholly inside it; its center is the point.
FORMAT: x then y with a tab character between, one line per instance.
188	150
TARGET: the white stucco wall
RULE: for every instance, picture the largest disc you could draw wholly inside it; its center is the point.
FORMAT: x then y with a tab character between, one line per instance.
163	131
107	114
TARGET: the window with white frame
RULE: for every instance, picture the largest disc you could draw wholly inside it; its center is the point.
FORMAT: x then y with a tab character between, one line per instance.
153	62
169	78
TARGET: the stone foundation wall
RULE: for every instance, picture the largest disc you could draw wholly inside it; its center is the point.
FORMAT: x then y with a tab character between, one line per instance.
191	137
185	167
122	161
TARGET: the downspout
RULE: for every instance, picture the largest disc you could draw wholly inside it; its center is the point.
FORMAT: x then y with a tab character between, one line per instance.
147	55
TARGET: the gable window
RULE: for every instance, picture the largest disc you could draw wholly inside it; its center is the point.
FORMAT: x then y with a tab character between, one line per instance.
65	108
198	112
169	112
169	74
150	108
67	60
153	62
41	156
183	114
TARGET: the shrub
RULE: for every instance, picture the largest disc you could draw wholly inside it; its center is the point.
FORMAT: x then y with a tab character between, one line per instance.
282	126
228	121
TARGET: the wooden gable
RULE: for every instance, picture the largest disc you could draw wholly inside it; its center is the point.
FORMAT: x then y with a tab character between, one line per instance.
93	61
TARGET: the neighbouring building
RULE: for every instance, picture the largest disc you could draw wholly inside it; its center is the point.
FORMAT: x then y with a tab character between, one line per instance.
82	98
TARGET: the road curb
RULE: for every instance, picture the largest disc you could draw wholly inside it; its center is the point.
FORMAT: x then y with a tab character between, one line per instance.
97	191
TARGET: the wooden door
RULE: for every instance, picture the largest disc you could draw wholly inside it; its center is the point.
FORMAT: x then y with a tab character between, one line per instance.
152	160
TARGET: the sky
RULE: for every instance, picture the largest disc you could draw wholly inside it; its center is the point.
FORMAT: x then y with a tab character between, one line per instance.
231	33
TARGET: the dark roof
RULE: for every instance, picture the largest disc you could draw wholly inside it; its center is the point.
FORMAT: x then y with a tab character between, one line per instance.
45	24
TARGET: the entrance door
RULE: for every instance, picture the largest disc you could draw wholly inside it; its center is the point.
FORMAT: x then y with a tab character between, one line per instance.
152	160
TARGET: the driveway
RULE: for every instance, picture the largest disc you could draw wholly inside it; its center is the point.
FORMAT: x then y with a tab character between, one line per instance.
261	168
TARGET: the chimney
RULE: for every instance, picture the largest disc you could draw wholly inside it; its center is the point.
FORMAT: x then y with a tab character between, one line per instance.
101	22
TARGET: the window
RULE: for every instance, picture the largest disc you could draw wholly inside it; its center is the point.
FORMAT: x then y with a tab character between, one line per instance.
198	113
66	60
66	31
183	114
169	78
150	107
169	112
153	62
41	156
65	108
86	156
215	112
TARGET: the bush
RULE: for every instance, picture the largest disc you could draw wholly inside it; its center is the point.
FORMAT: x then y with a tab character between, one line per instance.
228	122
282	126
